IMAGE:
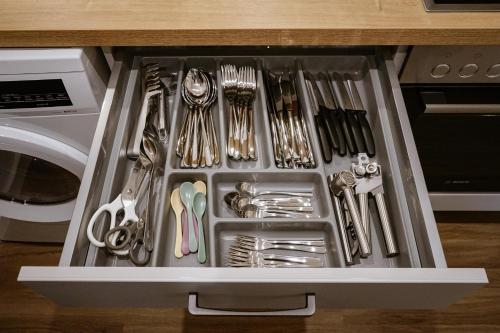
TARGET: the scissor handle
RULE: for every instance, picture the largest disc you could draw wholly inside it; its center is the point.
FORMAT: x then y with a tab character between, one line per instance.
123	233
138	246
112	208
135	251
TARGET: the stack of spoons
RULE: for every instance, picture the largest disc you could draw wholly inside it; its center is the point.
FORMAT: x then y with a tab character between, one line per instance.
249	202
189	203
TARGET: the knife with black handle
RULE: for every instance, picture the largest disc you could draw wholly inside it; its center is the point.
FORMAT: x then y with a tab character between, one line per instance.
351	129
334	114
361	115
319	120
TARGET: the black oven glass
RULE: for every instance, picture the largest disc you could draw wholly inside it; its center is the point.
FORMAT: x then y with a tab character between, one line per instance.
31	180
33	94
458	142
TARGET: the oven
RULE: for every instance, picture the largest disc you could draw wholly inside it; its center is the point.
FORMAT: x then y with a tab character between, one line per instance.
453	100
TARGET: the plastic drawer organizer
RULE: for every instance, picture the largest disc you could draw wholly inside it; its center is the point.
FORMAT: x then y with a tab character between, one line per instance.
417	278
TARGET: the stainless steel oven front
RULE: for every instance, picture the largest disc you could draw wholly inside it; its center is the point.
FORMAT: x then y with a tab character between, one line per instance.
452	95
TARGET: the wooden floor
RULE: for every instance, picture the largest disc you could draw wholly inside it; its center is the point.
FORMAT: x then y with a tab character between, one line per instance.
465	244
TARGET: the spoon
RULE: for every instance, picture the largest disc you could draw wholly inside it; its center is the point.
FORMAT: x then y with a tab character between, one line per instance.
249	189
200	204
195	83
252	211
187	196
241	202
176	203
199	187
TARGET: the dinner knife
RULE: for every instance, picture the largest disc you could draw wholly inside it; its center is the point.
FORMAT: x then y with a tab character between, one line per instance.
335	114
349	123
361	115
319	121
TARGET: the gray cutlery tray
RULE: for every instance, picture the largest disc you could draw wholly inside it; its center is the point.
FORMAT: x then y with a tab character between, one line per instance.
220	223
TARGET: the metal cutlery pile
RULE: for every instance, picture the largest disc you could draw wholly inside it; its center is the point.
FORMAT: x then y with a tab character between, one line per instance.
189	203
291	141
341	123
248	202
353	217
197	145
240	86
133	236
249	251
155	90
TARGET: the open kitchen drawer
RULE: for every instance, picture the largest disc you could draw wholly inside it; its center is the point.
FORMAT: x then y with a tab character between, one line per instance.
417	278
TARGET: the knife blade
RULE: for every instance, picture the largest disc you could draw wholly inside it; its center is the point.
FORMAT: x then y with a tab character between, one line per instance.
273	119
290	99
342	91
319	120
334	114
366	130
346	116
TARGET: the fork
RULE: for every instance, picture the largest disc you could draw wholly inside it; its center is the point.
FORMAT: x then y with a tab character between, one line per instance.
252	88
307	242
268	264
259	245
247	95
230	88
238	257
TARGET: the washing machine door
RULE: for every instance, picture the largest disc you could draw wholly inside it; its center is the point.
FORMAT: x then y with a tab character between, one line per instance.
39	176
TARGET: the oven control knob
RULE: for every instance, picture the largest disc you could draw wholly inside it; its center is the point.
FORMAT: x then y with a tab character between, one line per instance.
494	71
468	70
440	71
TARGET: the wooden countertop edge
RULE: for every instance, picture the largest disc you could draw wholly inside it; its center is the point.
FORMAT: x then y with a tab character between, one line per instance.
306	37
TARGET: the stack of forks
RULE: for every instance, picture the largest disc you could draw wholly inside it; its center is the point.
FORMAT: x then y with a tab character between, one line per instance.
249	251
239	87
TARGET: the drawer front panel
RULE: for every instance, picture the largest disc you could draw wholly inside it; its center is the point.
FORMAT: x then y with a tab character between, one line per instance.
227	288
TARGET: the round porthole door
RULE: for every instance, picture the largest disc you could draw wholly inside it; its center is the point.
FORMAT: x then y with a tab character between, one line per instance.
39	176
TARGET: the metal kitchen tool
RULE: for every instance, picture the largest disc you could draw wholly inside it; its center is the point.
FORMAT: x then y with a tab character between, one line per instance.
343	183
344	235
369	181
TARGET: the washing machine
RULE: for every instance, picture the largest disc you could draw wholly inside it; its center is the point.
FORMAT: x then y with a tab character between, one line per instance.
50	101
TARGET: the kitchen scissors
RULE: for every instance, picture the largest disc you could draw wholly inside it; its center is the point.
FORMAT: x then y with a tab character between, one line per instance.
125	202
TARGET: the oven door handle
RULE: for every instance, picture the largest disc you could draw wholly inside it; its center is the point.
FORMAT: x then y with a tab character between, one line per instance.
462	108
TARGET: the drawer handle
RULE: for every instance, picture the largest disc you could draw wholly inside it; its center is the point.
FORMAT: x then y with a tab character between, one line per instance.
307	310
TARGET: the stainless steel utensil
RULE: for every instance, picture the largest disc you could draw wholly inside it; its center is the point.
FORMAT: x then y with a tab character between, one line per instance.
260	244
197	145
369	181
343	183
237	258
250	189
